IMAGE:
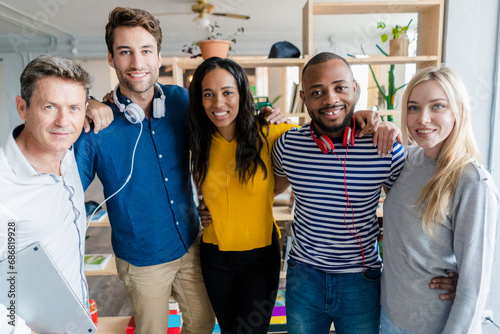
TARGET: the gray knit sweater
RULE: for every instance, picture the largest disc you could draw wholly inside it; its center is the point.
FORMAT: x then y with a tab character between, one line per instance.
464	243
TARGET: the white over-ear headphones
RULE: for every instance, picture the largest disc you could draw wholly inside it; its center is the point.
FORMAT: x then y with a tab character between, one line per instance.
134	113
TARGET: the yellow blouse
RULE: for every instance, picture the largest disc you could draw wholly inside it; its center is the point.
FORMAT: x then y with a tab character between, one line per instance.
242	214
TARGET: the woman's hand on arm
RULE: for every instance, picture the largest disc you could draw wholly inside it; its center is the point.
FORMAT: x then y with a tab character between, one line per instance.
274	115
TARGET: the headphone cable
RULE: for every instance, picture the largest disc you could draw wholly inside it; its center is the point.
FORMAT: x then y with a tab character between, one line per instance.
128	178
358	237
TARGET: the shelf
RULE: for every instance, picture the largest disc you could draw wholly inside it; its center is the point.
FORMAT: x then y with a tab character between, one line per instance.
109	270
363	7
181	64
282	213
192	63
383	60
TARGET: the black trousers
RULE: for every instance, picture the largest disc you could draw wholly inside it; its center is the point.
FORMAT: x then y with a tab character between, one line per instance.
242	286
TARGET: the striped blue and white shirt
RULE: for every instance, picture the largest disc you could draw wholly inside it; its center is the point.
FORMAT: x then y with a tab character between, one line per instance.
327	233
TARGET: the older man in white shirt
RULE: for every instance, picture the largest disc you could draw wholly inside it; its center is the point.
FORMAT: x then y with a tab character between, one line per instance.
40	190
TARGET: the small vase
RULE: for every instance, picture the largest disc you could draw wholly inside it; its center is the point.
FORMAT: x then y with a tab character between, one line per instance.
214	48
399	47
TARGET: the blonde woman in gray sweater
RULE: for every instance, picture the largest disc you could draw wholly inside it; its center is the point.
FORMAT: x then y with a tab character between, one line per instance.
439	216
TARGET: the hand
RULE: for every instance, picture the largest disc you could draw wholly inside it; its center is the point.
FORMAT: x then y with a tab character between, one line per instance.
446	283
274	115
108	97
205	216
385	135
366	120
99	113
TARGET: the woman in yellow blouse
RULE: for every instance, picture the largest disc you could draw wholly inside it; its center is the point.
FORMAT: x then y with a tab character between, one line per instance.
231	162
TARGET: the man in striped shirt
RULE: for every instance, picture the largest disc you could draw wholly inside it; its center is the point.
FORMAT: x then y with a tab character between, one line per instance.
334	267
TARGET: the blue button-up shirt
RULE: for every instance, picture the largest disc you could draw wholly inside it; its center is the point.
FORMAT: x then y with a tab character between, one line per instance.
153	218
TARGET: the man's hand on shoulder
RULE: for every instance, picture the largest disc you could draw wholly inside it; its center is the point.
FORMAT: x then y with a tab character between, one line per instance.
384	133
366	122
98	113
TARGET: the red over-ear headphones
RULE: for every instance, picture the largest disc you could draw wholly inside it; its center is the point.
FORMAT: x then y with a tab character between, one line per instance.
324	142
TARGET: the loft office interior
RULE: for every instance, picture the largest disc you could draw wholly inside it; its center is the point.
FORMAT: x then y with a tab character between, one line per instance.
469	44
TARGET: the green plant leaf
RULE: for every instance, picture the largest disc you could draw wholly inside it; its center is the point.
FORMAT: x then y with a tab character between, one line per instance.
384	38
401	87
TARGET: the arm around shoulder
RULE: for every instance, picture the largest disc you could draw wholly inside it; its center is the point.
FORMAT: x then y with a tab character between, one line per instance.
98	113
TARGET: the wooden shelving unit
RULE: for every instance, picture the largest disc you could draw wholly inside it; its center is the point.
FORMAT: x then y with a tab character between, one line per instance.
181	64
429	41
430	27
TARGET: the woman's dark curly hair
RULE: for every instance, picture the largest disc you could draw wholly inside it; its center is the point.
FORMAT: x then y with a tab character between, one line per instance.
248	126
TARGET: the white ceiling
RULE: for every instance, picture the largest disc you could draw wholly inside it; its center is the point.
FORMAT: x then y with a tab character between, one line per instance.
64	26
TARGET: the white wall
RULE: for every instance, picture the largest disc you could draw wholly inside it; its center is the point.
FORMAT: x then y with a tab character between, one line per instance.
4	113
13	65
104	76
470	49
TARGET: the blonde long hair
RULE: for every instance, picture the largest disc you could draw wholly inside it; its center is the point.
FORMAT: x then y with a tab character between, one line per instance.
458	150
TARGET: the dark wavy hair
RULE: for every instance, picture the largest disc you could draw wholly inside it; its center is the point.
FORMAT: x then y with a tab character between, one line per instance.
248	126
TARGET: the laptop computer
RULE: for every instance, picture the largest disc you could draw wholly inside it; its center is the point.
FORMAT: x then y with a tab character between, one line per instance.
43	298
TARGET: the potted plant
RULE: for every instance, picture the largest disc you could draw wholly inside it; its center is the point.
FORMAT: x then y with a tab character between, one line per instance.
214	45
399	43
389	94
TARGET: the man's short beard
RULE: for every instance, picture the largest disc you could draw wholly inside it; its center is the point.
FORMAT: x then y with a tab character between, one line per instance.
335	128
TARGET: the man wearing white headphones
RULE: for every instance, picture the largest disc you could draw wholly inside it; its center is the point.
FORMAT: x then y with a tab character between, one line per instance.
142	162
155	226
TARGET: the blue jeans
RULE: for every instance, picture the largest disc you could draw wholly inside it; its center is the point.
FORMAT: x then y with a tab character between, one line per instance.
315	299
387	327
